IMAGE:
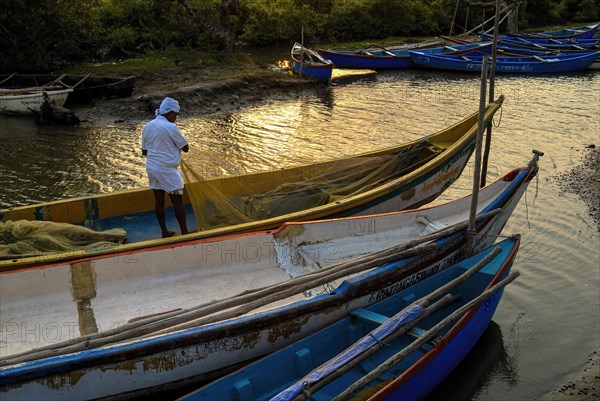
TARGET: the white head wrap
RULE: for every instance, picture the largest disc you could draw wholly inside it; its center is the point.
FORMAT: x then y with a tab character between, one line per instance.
168	104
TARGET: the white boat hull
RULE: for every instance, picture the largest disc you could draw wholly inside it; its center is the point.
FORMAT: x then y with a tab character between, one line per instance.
28	102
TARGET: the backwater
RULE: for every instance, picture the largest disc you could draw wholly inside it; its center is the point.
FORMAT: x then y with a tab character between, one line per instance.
548	321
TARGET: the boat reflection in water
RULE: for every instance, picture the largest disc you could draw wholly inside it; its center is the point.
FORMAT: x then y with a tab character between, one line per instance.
488	359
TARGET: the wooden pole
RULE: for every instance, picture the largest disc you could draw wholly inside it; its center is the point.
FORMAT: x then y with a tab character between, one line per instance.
471	231
301	50
488	137
480	26
453	18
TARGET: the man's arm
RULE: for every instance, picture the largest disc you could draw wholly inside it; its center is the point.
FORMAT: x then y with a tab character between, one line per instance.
144	152
186	148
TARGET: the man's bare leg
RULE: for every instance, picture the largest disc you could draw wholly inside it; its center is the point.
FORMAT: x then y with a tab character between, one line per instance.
159	209
179	209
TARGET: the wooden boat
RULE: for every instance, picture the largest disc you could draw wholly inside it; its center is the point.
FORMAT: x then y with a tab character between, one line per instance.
30	101
428	166
379	58
518	48
512	65
553	44
308	63
579	32
86	88
107	337
401	347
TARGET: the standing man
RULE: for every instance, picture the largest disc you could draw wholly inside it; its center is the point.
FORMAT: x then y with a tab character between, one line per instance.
162	143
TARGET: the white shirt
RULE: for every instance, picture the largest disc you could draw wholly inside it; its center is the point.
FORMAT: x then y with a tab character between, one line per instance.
163	142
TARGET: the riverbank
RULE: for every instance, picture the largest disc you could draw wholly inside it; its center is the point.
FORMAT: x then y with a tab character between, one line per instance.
583	387
200	92
584	181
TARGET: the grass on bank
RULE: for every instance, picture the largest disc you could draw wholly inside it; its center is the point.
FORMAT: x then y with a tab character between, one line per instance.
243	62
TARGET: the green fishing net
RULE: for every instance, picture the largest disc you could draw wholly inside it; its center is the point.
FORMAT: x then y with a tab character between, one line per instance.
29	238
219	202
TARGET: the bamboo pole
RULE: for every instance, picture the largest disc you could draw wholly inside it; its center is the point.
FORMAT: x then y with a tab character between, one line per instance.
471	231
488	137
453	18
368	378
302	49
485	22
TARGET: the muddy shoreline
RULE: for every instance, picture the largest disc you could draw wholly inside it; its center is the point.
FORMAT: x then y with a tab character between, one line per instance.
196	95
583	180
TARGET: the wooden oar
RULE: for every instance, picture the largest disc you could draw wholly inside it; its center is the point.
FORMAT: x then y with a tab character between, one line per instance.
369	377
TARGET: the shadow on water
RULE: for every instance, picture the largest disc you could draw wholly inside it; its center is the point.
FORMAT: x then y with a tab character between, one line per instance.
487	359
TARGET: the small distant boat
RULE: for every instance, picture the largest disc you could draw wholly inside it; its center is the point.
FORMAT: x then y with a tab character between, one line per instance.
307	62
377	57
401	347
532	64
27	101
85	88
579	32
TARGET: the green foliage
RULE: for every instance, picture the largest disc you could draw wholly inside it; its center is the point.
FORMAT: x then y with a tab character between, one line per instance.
140	25
356	19
266	22
42	35
546	12
588	8
39	35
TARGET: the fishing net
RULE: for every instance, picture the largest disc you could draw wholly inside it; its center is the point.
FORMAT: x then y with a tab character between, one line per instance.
25	237
231	200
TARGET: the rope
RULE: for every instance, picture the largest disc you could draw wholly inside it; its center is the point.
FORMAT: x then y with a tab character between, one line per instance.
376	340
499	118
306	390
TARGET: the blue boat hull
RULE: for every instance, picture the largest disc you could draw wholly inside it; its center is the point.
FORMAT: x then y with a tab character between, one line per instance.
581	32
510	65
435	366
395	59
316	71
342	59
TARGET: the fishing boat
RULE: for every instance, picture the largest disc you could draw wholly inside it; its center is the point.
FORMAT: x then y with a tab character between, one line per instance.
507	47
401	347
554	44
532	64
306	62
85	88
390	179
579	32
30	101
379	58
218	303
